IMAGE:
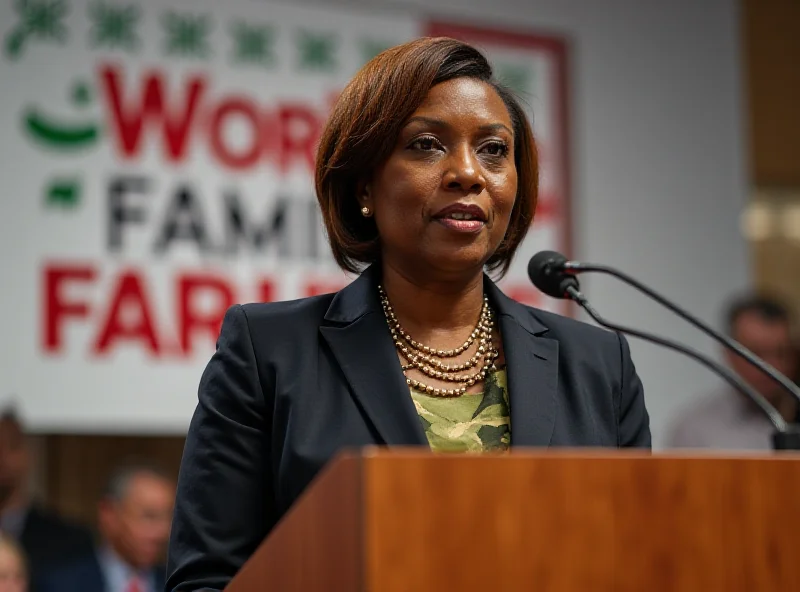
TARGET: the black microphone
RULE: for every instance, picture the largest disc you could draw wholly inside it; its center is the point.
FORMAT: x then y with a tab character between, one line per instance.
546	270
553	274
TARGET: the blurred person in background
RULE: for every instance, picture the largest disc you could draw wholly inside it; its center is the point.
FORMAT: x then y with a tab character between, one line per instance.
727	419
134	519
45	538
13	566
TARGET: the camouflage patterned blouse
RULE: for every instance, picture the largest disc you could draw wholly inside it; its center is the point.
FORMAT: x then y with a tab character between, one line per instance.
469	423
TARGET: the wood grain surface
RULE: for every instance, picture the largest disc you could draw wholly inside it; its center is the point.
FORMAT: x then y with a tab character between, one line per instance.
562	521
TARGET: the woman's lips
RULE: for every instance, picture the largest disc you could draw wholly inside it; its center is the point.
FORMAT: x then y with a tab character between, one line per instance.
462	217
464	226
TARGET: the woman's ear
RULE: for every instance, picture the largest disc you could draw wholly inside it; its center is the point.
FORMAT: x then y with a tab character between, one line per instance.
366	201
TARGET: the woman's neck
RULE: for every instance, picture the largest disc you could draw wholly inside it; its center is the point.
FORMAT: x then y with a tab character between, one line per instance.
435	312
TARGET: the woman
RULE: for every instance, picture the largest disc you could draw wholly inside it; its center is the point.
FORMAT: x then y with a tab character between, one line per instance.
427	174
13	567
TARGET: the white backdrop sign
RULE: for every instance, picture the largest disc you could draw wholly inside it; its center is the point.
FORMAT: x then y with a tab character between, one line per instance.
157	164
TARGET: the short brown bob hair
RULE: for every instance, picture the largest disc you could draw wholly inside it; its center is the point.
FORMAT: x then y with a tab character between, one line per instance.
362	130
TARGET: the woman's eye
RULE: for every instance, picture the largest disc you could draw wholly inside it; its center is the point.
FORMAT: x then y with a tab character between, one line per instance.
496	148
426	143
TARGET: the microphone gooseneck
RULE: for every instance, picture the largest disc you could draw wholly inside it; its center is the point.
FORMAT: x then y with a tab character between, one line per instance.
554	274
728	375
790	387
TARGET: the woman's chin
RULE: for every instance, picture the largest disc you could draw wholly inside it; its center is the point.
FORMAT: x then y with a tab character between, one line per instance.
460	262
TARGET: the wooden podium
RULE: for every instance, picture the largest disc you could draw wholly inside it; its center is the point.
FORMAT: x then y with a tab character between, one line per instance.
407	521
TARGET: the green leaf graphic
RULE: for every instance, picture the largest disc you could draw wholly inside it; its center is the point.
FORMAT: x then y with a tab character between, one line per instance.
59	135
115	26
253	44
63	193
317	51
187	34
38	19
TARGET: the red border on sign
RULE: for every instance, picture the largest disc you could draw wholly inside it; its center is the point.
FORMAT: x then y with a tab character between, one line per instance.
555	46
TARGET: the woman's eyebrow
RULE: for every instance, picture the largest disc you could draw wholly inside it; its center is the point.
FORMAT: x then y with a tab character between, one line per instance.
488	127
427	120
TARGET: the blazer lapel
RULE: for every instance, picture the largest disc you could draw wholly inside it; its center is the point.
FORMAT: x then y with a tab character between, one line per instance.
359	338
532	370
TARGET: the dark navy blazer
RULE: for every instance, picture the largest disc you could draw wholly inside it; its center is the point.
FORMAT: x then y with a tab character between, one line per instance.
293	383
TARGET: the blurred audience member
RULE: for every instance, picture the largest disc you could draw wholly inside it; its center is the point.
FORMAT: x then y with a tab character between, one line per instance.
134	520
727	419
45	538
13	567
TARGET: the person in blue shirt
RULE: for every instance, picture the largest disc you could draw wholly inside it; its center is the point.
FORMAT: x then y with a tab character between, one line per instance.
134	521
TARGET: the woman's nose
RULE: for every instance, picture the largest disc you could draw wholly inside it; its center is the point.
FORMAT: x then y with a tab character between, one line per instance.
464	172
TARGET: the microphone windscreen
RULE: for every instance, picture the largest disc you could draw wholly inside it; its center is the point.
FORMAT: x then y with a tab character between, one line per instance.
545	272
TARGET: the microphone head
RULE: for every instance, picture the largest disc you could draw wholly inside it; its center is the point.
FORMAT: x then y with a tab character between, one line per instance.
546	273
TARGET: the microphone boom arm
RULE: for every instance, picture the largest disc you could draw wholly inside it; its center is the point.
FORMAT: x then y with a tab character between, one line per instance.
738	349
733	379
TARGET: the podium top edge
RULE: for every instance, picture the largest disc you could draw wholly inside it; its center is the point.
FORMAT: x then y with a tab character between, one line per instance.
600	454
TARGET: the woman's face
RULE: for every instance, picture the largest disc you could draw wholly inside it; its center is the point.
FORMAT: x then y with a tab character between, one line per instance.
442	201
12	573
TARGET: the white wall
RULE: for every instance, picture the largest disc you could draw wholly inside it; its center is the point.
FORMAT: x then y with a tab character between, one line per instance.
658	159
